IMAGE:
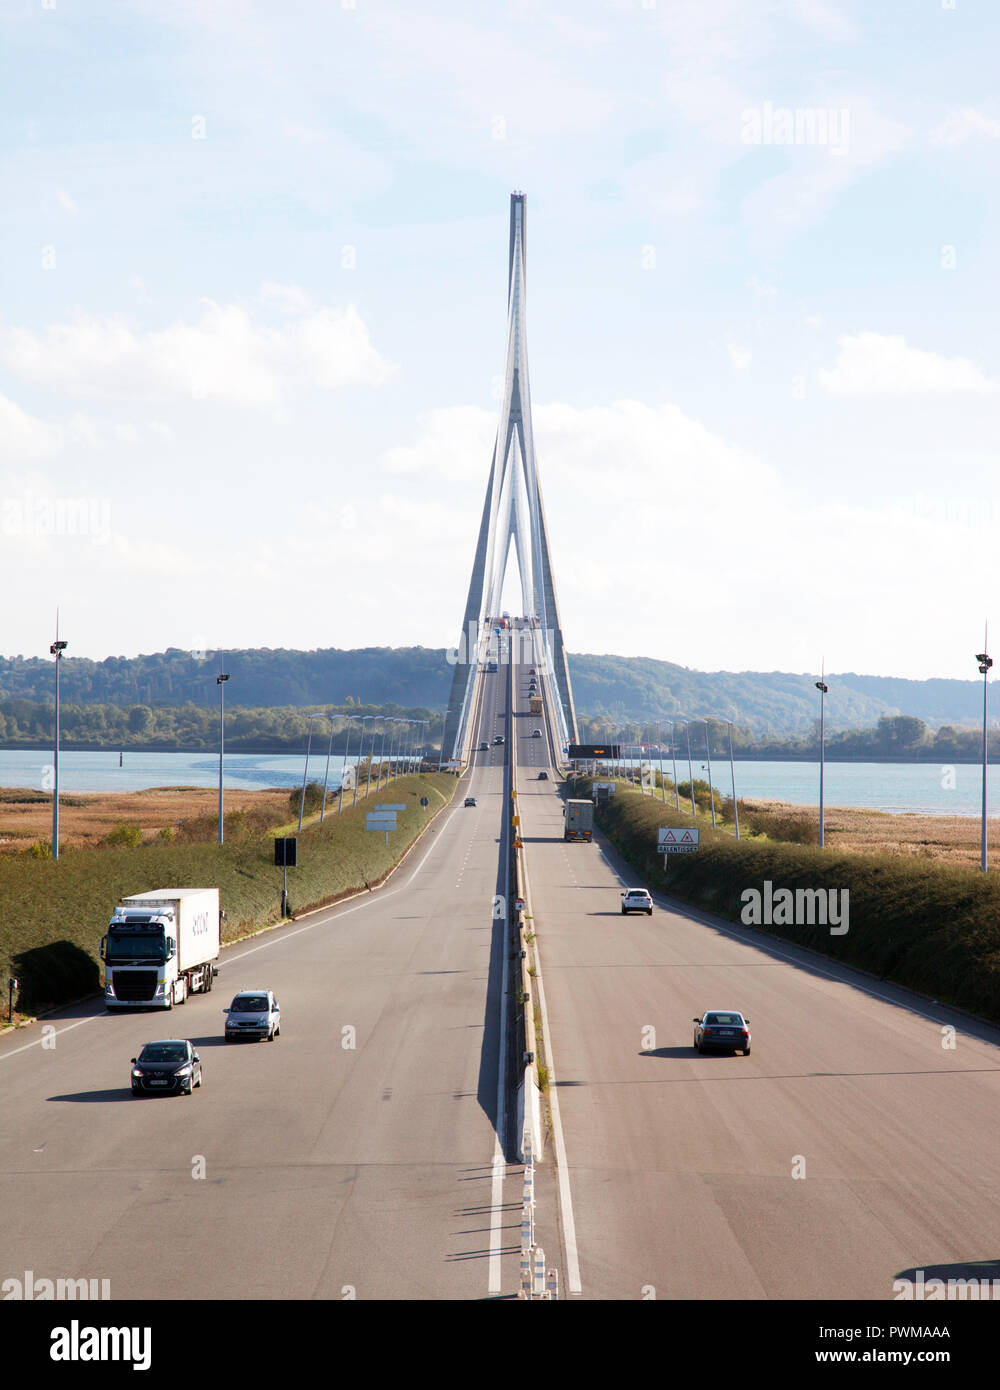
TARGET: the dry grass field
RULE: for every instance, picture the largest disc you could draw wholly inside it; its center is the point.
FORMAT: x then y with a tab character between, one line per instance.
84	820
947	839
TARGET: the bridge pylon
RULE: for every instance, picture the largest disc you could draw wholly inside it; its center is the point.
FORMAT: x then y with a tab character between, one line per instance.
513	514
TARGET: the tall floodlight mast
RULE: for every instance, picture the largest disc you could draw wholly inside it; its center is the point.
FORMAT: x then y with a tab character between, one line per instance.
512	514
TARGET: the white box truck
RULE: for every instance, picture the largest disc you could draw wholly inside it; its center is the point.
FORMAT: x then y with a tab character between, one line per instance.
161	946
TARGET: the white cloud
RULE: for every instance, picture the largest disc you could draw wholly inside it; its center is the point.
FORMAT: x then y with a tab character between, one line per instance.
66	201
740	357
873	364
966	124
287	299
829	22
456	443
817	176
25	437
225	355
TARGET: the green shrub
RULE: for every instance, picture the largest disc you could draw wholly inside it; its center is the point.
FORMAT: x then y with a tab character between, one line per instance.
931	927
123	834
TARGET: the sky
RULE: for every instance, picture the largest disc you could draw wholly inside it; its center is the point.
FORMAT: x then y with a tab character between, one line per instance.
253	315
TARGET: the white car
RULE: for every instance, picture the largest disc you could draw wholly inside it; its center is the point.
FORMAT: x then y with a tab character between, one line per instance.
637	900
536	733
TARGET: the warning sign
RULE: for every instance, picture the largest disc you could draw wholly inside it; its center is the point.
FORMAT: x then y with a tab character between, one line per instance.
671	841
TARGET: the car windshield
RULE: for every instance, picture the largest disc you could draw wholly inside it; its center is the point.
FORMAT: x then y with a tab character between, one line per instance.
164	1052
250	1004
723	1018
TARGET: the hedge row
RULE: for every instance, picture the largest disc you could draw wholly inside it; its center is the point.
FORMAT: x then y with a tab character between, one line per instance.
54	913
932	928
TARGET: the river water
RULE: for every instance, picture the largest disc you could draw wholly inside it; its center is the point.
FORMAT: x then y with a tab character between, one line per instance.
100	772
917	787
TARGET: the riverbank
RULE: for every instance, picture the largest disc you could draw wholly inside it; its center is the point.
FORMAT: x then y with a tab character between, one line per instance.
86	818
947	839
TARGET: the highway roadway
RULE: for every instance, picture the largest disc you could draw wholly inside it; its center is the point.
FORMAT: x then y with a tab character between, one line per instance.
360	1154
355	1156
850	1149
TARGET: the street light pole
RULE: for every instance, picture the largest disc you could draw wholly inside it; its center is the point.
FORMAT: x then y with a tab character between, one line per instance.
361	753
823	689
673	764
305	770
343	771
326	777
711	791
371	755
687	730
985	662
57	648
220	681
732	769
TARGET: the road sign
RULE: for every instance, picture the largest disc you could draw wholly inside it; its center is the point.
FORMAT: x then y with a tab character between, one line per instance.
608	787
515	820
423	801
671	841
594	750
518	845
378	820
384	806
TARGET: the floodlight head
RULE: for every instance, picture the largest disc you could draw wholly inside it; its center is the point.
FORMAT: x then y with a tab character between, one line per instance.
224	676
983	659
57	648
820	686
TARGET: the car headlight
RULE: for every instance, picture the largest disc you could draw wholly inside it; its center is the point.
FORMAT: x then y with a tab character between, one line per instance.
136	1075
183	1071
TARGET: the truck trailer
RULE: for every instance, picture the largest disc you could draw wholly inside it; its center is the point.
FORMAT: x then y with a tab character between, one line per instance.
579	820
535	704
160	947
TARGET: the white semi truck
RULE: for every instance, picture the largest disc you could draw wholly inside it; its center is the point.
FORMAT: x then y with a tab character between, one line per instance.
161	946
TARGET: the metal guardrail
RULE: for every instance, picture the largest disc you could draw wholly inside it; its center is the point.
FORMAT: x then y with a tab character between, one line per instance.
537	1281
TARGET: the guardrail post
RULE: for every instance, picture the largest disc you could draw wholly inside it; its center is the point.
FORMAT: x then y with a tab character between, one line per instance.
538	1282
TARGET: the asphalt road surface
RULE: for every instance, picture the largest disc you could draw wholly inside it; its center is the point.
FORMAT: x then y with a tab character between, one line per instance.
358	1152
853	1147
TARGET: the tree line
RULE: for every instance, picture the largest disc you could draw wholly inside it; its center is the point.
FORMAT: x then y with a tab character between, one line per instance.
190	727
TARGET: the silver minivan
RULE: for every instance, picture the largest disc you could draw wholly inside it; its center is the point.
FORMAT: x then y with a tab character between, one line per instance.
254	1013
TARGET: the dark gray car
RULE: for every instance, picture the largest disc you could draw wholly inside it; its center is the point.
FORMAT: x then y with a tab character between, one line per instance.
722	1030
169	1067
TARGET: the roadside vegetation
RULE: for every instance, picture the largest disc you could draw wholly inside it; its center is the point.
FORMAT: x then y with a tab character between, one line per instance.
55	912
931	927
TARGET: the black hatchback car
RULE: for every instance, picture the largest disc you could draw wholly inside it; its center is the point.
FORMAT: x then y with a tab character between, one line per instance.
169	1067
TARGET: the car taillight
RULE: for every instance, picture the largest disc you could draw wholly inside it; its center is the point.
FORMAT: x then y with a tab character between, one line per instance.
706	1030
